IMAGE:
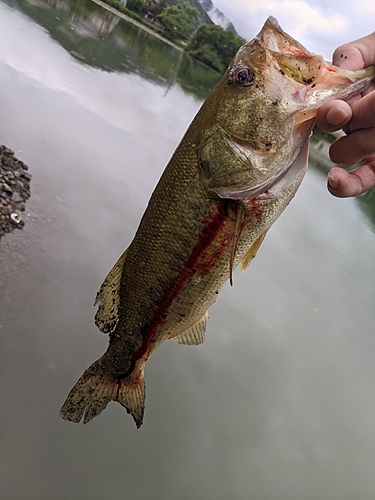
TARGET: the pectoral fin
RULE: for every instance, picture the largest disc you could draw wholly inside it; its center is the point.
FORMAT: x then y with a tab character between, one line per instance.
108	298
193	335
251	253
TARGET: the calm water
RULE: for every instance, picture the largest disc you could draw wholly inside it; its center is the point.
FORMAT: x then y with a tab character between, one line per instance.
279	402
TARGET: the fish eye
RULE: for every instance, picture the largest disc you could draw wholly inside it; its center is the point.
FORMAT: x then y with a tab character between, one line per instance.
241	76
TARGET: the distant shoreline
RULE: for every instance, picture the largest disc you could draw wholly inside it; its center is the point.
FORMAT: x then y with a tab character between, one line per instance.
136	23
318	151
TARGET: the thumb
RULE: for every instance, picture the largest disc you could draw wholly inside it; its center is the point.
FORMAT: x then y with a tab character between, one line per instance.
356	55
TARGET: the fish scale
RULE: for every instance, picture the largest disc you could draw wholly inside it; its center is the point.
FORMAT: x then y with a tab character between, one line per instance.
236	169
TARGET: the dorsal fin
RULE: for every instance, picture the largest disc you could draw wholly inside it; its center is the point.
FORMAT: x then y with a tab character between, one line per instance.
251	253
108	298
193	335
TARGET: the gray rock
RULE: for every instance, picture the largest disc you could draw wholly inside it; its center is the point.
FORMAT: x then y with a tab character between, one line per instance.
6	188
16	197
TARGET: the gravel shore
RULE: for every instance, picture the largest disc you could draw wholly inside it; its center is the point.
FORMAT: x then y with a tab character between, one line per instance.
14	191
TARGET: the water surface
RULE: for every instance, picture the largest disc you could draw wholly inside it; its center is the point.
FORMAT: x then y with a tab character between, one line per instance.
279	402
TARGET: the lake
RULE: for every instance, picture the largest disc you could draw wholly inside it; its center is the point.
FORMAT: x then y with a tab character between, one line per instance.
279	401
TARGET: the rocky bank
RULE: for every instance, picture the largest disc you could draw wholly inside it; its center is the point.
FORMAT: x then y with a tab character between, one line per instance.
14	191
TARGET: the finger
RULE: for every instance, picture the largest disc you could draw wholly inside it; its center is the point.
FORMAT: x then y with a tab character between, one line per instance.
353	148
333	115
348	56
357	54
363	113
344	184
369	89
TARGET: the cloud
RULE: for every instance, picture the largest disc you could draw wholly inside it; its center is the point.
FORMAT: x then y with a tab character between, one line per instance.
296	15
365	6
315	24
304	18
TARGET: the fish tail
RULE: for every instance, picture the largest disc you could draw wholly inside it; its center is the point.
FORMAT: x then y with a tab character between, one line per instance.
131	395
96	388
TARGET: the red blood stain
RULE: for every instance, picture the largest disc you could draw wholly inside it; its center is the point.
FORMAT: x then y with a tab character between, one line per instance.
195	263
298	52
117	397
256	210
208	258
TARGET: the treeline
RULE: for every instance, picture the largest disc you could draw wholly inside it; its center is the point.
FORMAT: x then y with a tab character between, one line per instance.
209	44
214	46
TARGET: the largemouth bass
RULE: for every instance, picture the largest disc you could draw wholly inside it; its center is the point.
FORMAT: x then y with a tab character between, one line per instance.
236	169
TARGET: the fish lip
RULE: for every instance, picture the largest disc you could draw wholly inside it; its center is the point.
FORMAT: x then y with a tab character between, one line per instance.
273	37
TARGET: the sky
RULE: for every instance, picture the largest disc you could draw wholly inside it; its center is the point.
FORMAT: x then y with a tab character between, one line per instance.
320	25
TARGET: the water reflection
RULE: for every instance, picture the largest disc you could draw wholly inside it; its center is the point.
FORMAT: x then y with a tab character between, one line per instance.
366	203
319	159
104	41
279	402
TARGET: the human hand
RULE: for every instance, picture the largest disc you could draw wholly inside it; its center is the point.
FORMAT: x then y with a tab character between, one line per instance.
357	118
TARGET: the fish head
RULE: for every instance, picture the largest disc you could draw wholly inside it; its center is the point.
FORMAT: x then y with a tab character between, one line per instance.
263	111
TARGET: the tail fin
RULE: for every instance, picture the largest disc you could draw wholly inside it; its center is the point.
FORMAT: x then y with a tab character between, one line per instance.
96	388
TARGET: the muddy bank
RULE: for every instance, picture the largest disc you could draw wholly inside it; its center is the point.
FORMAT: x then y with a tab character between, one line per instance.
14	191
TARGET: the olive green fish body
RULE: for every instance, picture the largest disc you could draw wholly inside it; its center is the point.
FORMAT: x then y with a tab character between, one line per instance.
235	171
181	256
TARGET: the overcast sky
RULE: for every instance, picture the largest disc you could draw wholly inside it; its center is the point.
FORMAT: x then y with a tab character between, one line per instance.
320	25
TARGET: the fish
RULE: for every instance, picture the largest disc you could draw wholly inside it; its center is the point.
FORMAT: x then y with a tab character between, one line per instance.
234	172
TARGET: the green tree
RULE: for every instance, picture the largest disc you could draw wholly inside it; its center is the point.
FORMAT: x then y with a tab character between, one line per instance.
138	6
214	46
179	21
157	8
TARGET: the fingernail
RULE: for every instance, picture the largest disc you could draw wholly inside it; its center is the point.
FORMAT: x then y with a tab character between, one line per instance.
332	181
337	115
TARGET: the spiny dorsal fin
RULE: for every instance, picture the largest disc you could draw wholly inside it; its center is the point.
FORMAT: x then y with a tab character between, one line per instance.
108	298
193	335
251	253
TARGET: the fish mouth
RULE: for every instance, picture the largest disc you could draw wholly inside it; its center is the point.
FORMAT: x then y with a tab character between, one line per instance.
256	155
309	72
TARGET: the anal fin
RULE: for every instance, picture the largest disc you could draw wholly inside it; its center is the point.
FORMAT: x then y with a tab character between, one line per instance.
193	335
251	253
